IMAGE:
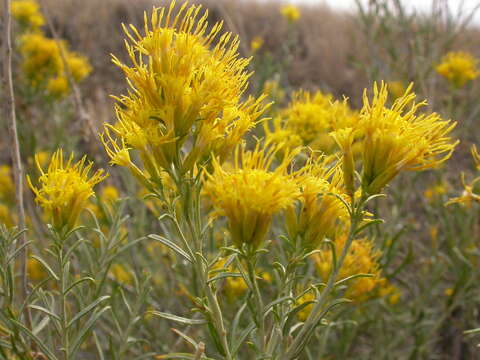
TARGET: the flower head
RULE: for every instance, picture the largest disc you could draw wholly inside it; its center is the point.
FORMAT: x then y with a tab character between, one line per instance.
458	68
291	13
186	83
256	43
320	212
361	258
64	189
397	138
308	121
27	13
249	193
45	68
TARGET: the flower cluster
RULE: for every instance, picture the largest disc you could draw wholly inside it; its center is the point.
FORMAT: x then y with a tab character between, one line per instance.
362	258
395	139
64	189
249	192
309	119
458	68
48	63
185	104
27	13
291	13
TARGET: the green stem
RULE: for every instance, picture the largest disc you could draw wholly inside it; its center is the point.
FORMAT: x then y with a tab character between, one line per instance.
259	303
306	331
63	303
192	221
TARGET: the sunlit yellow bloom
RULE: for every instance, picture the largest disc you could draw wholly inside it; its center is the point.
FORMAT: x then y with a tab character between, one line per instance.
309	119
7	188
361	258
320	212
256	43
187	82
64	189
448	292
305	312
290	12
250	193
120	274
458	68
27	12
398	139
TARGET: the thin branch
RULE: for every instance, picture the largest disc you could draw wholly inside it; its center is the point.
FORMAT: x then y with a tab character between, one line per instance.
10	116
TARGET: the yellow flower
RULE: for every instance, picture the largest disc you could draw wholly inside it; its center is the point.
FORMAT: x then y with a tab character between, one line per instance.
27	12
249	193
64	189
449	292
458	68
233	286
471	192
435	191
35	270
320	212
187	82
6	216
476	156
120	274
305	311
398	139
58	87
361	258
44	67
290	12
309	119
109	194
7	188
256	43
389	291
78	65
